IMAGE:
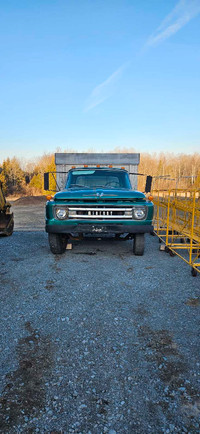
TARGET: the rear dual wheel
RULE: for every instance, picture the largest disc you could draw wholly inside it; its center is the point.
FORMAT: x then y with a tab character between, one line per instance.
138	244
194	272
57	243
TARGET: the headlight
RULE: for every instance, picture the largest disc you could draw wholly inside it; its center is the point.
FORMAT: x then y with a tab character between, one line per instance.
62	213
139	212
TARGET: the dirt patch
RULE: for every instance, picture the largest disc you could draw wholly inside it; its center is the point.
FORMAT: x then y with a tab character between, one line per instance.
172	370
130	269
50	285
194	302
140	310
24	394
165	352
29	200
160	341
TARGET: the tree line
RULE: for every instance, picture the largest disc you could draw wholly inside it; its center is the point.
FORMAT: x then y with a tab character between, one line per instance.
19	180
168	171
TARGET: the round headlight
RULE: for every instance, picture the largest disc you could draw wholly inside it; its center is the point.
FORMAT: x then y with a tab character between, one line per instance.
61	213
139	213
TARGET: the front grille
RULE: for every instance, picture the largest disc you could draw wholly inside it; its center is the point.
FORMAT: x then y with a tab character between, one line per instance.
99	213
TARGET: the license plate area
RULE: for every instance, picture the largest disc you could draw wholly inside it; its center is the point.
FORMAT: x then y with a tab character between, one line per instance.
98	229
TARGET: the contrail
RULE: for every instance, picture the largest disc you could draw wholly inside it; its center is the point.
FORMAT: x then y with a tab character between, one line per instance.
183	12
104	90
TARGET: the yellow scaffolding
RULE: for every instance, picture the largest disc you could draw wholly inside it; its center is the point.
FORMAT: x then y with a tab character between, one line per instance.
177	223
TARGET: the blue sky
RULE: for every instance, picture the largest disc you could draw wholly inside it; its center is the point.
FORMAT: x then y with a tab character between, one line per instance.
99	74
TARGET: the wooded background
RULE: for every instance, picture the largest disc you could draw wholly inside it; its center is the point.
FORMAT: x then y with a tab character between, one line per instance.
21	178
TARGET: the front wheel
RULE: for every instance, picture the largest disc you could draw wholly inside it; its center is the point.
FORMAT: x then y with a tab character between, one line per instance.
138	244
57	243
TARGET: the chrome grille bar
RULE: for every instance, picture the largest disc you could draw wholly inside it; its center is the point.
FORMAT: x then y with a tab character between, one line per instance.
98	209
100	213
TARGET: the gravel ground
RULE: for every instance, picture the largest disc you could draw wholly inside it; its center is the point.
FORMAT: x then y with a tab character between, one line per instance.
96	340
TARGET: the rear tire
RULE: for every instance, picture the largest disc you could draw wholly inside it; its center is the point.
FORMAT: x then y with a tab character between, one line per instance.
57	243
138	245
194	272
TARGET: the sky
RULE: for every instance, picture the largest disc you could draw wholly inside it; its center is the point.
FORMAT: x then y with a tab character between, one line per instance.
98	75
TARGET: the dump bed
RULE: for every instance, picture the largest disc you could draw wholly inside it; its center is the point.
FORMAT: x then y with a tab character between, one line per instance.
64	162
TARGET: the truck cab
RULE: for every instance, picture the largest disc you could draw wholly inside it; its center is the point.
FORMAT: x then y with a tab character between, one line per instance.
98	200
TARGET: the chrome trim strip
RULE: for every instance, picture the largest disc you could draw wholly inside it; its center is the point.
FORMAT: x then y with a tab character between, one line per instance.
87	217
99	209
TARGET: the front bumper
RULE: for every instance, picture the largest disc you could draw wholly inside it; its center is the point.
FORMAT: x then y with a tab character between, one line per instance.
98	228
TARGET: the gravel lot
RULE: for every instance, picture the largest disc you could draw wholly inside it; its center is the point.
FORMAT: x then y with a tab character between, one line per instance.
96	340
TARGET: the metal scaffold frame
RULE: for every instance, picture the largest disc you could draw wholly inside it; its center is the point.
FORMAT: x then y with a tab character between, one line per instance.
177	224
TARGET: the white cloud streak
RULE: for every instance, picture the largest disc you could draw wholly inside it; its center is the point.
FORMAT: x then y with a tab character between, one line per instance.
104	90
183	12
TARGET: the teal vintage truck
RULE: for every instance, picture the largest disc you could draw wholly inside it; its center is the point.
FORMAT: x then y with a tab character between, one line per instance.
98	200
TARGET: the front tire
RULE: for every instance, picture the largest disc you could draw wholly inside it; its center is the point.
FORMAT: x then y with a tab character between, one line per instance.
57	243
138	245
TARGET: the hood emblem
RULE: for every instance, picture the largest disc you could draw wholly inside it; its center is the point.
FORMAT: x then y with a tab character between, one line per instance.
99	194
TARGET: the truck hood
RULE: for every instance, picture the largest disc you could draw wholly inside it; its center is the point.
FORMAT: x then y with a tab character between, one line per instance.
98	193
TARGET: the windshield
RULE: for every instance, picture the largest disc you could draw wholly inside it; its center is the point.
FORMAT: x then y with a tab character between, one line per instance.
94	178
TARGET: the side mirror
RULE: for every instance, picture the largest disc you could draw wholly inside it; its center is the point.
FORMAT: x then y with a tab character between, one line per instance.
148	184
46	181
27	179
